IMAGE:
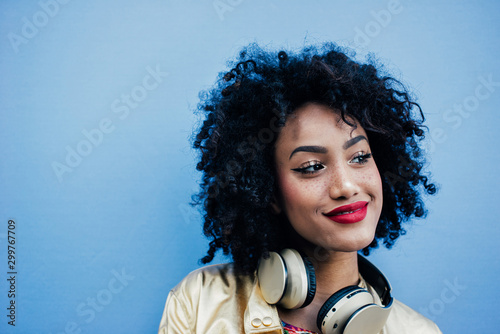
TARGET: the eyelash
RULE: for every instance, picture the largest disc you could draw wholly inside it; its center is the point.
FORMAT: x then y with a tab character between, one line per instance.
363	158
317	165
310	164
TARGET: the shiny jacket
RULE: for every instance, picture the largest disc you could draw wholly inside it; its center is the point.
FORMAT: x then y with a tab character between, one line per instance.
214	300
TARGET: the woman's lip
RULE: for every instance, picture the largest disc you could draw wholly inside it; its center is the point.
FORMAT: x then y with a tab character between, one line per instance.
349	214
347	208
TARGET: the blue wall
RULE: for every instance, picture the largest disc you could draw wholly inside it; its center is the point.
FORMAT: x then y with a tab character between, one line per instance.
96	101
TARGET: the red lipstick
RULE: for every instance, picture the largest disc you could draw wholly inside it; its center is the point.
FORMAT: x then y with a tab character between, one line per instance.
349	214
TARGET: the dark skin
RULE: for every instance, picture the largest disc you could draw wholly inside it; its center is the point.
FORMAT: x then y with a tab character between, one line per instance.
324	164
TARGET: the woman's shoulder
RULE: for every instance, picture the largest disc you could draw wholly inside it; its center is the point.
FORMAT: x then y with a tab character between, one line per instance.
216	299
213	282
405	320
216	276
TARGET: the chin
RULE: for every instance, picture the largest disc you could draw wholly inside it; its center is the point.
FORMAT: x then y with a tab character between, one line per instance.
353	245
351	248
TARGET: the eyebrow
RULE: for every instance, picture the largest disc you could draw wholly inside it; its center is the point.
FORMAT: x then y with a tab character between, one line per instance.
353	141
312	149
324	150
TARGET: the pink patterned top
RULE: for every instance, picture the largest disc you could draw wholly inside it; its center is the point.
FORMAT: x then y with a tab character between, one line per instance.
291	329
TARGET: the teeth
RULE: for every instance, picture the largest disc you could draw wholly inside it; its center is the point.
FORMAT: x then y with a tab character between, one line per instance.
347	212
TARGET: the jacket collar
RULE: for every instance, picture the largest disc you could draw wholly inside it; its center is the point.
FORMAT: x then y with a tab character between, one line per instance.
259	316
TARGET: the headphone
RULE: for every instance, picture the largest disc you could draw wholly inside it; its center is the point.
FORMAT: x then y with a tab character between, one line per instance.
288	279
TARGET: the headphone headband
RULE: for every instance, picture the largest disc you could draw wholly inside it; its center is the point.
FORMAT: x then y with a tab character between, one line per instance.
376	279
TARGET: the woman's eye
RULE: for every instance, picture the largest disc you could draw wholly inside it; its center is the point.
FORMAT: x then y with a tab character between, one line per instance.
361	158
311	168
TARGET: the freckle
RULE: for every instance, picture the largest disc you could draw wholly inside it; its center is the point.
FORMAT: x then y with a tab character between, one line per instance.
322	185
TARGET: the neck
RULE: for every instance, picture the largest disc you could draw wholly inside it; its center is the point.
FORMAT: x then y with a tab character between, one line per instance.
334	271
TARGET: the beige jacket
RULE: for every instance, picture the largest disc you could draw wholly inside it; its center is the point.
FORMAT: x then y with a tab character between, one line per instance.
213	300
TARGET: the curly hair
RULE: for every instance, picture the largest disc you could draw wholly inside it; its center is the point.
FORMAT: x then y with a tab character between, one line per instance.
244	113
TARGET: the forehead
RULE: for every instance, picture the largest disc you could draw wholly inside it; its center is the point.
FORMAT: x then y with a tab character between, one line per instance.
317	121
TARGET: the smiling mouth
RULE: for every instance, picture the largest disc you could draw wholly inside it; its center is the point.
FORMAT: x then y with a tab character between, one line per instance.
349	214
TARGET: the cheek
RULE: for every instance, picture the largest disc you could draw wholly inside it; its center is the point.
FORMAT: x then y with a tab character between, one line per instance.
374	180
371	181
296	193
288	189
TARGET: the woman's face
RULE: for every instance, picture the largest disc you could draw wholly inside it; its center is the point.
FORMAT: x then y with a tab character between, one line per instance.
329	185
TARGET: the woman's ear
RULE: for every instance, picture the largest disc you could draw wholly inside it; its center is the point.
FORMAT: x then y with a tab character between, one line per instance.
275	207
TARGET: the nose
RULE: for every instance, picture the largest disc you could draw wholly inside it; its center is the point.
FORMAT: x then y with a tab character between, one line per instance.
343	184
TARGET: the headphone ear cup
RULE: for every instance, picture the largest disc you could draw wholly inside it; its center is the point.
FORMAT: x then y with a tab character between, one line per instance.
272	275
311	282
297	282
287	279
330	302
339	308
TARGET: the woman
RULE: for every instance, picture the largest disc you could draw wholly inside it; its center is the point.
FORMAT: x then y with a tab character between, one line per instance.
307	158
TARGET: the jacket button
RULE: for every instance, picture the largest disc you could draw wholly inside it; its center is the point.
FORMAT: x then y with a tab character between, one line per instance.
267	321
256	322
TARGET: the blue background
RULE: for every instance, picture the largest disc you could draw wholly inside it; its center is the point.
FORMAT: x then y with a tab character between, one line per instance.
116	228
